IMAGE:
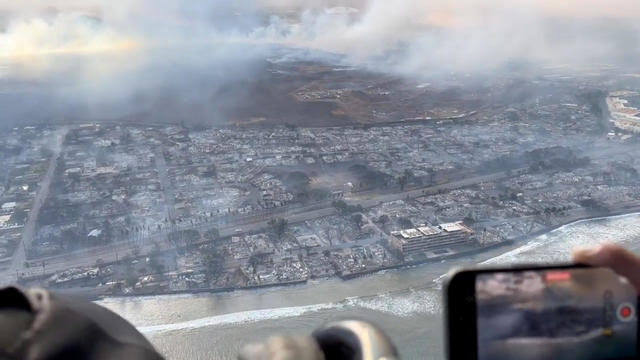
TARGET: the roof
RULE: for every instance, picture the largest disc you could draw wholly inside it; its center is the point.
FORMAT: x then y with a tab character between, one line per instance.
428	230
73	170
95	232
451	227
105	170
456	226
8	205
410	233
4	219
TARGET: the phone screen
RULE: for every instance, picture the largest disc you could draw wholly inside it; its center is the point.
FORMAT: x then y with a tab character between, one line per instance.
573	313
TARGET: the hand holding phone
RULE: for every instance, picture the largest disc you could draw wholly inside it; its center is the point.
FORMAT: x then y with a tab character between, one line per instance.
613	256
561	312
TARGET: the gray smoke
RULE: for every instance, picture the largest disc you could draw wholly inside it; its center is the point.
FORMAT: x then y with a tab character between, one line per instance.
414	37
169	60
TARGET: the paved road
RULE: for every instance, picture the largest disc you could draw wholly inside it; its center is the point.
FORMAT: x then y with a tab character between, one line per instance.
372	200
167	188
88	257
29	230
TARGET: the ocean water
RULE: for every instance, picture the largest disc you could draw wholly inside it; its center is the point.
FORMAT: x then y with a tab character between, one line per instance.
404	302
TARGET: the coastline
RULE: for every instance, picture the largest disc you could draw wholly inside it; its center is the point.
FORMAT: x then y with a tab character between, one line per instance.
92	294
635	210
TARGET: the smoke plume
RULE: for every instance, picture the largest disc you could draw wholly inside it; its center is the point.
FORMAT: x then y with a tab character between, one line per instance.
168	60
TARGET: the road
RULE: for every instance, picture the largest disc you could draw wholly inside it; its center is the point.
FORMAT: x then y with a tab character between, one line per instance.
115	251
167	188
366	201
29	230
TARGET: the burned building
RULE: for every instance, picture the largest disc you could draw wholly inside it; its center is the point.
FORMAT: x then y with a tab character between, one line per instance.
428	238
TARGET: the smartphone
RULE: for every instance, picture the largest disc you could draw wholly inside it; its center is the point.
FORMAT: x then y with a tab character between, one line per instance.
535	313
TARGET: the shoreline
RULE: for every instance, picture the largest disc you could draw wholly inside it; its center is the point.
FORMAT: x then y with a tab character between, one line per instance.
514	242
610	215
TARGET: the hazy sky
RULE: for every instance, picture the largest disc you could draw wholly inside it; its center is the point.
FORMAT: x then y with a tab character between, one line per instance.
36	28
446	31
91	54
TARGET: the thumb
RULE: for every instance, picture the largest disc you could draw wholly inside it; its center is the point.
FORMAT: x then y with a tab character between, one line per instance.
619	259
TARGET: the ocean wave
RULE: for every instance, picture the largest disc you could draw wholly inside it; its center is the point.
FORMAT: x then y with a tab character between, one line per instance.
513	254
242	317
556	246
404	304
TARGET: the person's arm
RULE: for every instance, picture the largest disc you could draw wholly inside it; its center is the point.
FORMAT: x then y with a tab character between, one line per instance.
621	260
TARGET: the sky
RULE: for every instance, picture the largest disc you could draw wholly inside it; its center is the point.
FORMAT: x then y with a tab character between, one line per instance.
450	30
88	55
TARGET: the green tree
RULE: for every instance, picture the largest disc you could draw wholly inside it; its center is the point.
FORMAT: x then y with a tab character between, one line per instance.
345	209
278	227
402	181
384	219
108	231
214	263
212	234
131	280
469	220
405	222
358	220
298	180
256	259
155	261
19	216
136	251
430	173
340	205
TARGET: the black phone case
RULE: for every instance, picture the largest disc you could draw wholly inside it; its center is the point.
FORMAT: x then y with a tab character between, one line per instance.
467	347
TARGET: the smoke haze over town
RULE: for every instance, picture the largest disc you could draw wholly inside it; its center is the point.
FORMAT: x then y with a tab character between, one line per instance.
98	60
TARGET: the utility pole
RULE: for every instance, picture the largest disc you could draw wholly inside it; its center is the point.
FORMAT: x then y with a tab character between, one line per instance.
115	250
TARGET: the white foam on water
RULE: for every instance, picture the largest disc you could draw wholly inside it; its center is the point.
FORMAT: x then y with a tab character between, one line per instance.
513	254
556	246
401	304
241	317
